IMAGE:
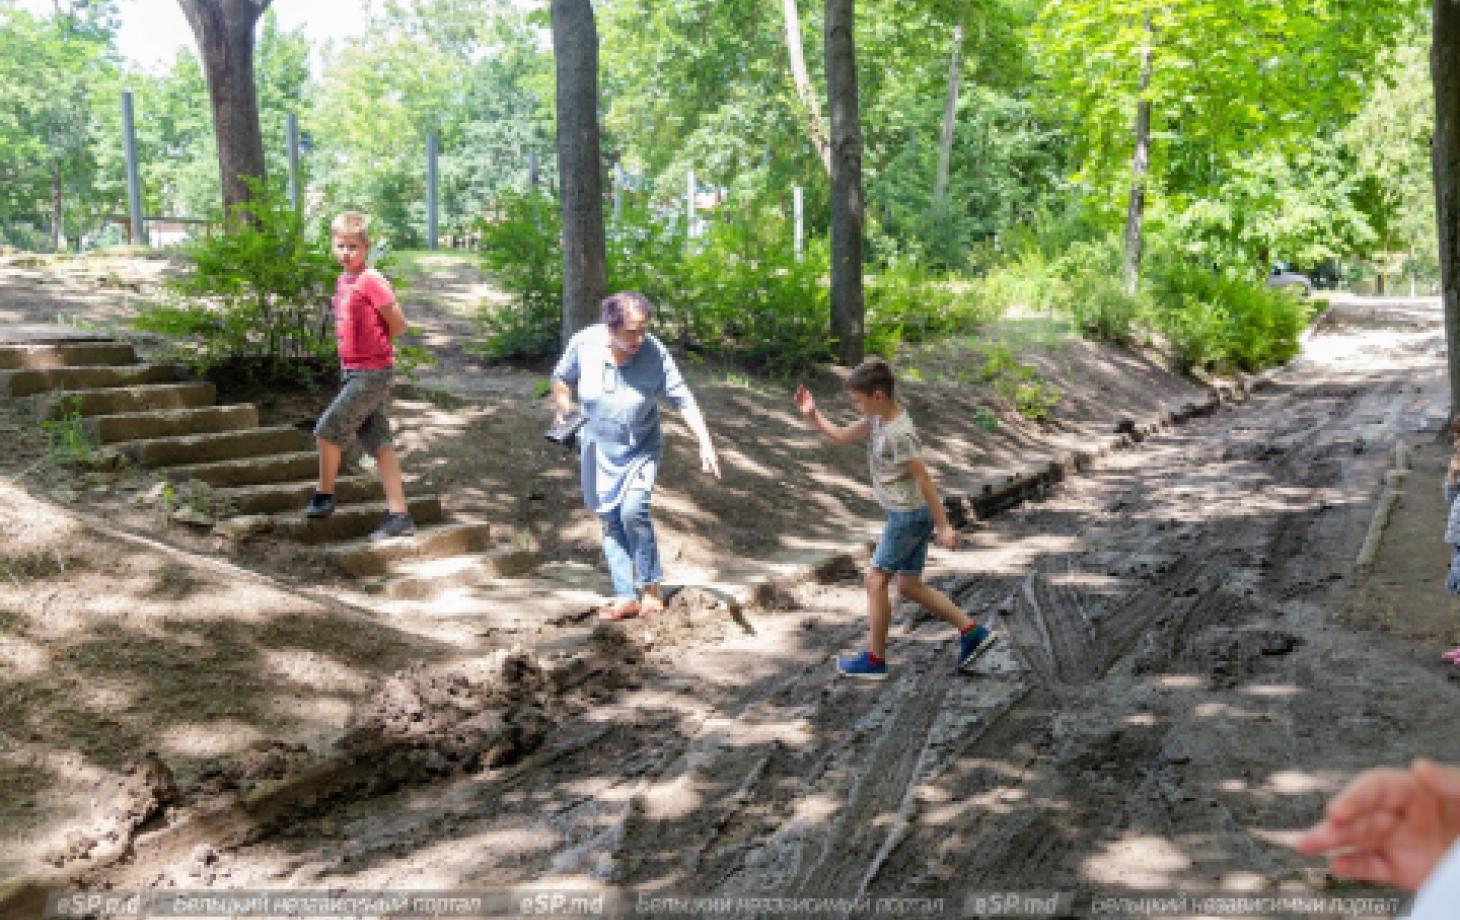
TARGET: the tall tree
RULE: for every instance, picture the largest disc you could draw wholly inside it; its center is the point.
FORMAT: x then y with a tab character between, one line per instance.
804	90
575	52
224	32
848	206
950	111
1140	164
1445	71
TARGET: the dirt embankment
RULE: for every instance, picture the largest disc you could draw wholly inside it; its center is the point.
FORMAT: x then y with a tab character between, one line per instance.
1175	691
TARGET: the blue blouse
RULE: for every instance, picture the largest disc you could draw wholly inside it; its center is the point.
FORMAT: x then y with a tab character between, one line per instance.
622	440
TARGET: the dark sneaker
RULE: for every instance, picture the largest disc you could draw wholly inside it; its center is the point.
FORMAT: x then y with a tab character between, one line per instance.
972	644
862	666
321	505
394	525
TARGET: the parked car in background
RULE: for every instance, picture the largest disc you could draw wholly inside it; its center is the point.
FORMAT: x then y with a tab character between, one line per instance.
1282	276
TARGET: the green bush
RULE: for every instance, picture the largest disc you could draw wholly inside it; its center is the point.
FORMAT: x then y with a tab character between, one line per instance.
737	291
1019	384
520	246
256	296
1092	291
1223	319
906	303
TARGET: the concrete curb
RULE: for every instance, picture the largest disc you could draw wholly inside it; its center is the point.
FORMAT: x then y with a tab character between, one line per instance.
1393	488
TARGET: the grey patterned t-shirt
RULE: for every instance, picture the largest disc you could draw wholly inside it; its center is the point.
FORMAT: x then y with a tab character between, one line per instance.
890	446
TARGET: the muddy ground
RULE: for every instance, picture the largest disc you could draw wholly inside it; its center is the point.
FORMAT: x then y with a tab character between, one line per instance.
1187	672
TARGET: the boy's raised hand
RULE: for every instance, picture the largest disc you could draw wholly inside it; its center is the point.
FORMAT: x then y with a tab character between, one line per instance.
946	537
805	401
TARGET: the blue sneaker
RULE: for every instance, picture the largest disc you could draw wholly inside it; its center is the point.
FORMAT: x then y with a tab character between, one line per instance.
972	644
862	666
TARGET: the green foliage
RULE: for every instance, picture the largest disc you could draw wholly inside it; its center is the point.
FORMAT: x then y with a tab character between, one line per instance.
256	295
66	436
1223	319
908	304
1019	384
1092	293
985	418
53	69
737	292
520	247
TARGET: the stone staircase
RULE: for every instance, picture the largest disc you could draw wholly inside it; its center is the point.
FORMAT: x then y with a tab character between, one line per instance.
257	478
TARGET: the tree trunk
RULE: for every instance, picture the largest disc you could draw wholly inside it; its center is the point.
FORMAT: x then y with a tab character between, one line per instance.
1445	71
950	111
848	311
804	91
224	32
1139	164
575	53
56	206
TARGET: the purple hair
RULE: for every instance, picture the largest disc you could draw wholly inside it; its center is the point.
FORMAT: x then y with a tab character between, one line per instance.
616	307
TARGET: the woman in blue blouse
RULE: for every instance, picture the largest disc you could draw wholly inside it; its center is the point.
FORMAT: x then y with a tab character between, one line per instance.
620	371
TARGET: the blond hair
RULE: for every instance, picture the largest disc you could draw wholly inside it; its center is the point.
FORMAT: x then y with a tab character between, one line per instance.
351	223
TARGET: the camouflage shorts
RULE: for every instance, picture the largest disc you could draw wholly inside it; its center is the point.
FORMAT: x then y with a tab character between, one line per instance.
359	411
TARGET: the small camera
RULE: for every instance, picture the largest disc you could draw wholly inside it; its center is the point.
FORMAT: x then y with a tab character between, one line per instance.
565	433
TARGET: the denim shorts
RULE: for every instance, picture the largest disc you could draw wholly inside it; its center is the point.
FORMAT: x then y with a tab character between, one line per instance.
903	548
359	411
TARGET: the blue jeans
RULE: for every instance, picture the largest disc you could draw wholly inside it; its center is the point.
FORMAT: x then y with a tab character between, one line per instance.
903	549
628	544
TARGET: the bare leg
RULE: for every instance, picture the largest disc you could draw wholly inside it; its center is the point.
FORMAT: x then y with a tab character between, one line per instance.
329	464
387	467
879	611
935	601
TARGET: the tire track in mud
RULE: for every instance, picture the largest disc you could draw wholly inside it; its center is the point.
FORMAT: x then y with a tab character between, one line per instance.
1202	612
810	786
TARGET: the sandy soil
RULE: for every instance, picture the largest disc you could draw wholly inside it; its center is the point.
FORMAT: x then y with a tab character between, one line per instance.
1185	673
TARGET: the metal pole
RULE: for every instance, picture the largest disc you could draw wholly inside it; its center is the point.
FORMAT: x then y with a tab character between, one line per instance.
798	210
689	200
134	185
431	190
618	191
291	129
532	168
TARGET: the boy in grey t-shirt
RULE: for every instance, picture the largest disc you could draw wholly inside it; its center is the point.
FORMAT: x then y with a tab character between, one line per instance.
915	516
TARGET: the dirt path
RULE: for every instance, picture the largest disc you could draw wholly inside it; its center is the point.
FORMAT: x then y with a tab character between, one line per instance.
1185	675
1175	696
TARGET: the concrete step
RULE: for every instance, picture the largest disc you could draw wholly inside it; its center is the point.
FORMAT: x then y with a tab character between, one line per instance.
18	357
250	470
135	426
30	382
423	579
362	558
218	447
352	521
116	400
273	498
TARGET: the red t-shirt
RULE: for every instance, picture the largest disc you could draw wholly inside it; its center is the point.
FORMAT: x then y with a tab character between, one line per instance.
363	334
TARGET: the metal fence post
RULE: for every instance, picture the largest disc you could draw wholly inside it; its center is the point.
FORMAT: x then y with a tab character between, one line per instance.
134	185
798	215
431	144
291	129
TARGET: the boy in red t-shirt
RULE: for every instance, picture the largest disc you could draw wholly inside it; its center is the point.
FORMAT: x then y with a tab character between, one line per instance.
366	319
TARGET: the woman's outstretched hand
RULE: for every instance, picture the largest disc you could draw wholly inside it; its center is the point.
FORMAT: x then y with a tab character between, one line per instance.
805	401
1390	826
709	460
